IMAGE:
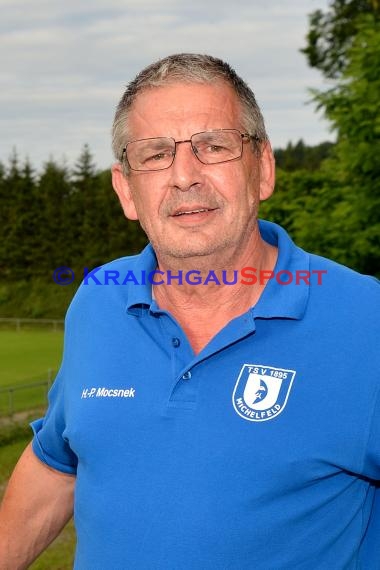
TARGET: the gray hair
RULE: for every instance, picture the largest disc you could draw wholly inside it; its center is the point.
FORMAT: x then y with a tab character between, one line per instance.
187	68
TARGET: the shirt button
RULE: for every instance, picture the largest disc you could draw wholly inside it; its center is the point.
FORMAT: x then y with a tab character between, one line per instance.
187	375
176	342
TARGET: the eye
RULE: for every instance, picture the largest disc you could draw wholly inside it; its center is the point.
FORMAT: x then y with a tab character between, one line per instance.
158	156
208	148
215	148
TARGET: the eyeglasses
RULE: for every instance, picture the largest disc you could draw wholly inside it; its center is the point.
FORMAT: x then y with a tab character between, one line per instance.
210	147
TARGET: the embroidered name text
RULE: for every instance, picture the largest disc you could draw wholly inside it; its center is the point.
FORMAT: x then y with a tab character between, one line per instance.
108	392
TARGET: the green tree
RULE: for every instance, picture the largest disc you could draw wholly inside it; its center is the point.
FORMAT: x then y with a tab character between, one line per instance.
335	209
54	191
81	212
298	195
302	157
4	217
331	34
119	236
23	211
351	222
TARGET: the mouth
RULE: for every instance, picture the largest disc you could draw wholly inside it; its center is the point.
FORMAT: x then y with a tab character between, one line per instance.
193	211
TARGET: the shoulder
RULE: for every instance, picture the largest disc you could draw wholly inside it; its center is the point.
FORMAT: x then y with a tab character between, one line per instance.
344	301
331	285
111	286
341	281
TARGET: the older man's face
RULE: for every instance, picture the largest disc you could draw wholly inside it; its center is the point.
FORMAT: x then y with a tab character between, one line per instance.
193	209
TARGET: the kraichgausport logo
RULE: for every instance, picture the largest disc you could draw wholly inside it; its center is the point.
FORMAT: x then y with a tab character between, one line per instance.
261	392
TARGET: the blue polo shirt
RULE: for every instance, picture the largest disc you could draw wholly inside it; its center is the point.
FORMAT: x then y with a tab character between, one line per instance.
260	452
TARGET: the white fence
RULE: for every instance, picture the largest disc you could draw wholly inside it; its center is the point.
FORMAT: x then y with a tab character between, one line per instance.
18	324
12	398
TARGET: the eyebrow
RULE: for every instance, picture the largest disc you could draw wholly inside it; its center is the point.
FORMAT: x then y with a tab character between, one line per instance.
155	142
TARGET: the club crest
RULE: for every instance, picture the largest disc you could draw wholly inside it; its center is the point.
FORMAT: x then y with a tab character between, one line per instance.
261	392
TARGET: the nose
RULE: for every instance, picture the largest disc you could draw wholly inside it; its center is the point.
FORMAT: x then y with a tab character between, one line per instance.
186	169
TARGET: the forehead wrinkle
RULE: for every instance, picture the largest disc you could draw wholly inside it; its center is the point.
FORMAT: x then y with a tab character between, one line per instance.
154	106
139	115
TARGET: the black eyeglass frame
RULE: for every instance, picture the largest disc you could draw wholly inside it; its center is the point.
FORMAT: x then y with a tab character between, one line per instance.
245	137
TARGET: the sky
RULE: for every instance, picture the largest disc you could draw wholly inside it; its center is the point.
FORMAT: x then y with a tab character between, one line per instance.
64	65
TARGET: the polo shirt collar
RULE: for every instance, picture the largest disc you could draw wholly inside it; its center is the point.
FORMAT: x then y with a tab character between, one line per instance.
278	300
140	296
286	301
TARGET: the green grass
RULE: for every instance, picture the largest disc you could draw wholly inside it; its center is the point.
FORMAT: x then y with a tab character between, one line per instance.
9	455
28	354
27	357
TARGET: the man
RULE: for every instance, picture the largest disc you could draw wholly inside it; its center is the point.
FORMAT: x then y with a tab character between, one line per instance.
212	422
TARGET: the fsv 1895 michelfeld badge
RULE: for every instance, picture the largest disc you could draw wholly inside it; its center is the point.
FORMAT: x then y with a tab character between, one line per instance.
261	392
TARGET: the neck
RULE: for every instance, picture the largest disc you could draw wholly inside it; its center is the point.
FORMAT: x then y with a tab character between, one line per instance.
204	308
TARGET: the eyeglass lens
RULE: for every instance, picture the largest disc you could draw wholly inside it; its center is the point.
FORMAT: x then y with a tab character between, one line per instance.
209	147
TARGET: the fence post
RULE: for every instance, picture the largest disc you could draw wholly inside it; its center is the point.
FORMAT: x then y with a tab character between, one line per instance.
10	401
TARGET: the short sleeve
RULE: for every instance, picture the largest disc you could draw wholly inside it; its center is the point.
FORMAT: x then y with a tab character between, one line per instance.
49	442
371	466
370	547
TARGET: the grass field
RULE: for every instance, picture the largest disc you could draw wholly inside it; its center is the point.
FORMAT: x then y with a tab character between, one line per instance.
28	354
25	357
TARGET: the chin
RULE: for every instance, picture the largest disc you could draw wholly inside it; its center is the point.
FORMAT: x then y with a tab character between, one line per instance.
189	250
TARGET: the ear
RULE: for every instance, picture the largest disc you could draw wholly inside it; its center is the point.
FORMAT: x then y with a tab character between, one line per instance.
267	172
122	188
